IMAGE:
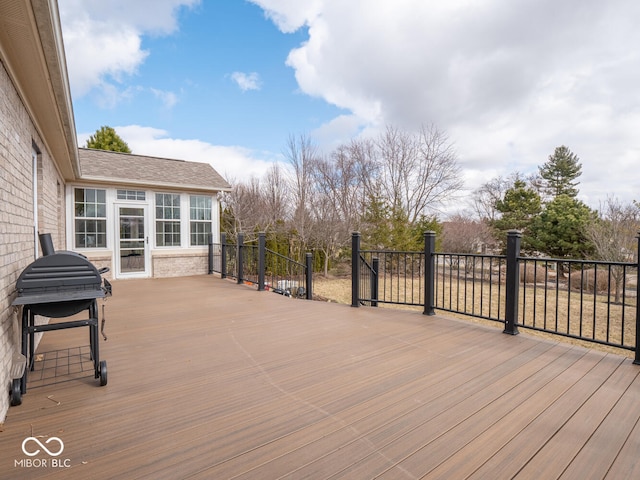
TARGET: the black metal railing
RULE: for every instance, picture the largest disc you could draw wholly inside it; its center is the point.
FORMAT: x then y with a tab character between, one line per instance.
287	276
368	273
587	300
580	299
391	277
470	285
255	264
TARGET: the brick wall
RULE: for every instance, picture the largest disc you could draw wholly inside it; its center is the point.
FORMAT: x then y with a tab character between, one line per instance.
17	136
99	260
179	264
51	214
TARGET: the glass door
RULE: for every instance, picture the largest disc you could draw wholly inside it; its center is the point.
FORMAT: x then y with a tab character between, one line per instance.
133	241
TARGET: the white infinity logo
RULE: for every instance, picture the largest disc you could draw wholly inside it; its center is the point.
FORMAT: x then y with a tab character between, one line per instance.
34	439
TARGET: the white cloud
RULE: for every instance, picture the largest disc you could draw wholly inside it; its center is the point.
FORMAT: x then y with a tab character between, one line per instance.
169	99
247	81
508	80
332	134
110	95
290	15
232	162
114	29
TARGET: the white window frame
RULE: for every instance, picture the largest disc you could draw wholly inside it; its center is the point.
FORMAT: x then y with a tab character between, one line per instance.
157	220
208	212
96	218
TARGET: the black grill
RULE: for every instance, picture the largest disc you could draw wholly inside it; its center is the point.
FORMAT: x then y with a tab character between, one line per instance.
59	285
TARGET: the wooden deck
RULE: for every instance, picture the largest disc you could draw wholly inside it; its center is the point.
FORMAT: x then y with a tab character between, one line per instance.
211	380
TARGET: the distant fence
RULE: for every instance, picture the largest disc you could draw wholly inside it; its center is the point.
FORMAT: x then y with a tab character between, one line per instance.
582	299
256	264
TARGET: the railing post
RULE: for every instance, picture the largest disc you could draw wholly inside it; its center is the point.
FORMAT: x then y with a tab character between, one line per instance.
262	252
355	268
223	255
513	282
375	264
239	259
637	356
429	272
309	273
210	254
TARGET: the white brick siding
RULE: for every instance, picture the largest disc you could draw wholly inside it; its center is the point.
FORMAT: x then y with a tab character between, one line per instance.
180	264
17	136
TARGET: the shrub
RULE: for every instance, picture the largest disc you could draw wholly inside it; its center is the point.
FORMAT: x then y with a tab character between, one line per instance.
587	279
529	274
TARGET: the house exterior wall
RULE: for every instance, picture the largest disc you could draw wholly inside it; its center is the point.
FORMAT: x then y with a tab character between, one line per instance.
180	264
177	263
18	136
51	202
172	261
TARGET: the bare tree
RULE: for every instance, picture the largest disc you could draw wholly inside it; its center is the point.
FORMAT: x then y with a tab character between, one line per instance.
397	165
463	234
439	174
244	209
362	153
275	190
486	196
338	187
323	200
325	233
613	235
301	153
416	173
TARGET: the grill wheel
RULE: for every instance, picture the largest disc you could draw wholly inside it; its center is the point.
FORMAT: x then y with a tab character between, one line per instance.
103	373
16	394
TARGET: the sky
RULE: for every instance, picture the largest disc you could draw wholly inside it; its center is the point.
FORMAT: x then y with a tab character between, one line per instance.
229	81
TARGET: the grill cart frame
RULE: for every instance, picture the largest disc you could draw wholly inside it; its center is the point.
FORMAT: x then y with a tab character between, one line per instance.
59	285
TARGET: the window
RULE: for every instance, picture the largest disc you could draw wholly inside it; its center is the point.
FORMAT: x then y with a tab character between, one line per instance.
131	195
167	220
200	216
90	215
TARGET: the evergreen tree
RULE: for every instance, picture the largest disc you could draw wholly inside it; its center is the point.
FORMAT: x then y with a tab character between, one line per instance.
106	138
427	224
560	231
519	206
560	172
376	226
385	227
408	237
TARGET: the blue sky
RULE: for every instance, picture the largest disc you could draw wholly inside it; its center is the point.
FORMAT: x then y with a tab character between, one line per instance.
220	78
189	84
228	81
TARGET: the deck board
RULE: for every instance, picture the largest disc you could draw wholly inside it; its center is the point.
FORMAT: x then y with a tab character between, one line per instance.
209	379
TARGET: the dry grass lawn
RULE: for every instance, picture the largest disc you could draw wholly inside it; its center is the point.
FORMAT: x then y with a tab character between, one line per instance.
576	314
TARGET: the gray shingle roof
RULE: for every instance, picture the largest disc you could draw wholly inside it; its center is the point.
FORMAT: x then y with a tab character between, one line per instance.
124	168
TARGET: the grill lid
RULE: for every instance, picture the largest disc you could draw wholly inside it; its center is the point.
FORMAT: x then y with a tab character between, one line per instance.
59	277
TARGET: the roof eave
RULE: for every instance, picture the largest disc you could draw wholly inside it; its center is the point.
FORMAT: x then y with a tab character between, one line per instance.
35	61
154	184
